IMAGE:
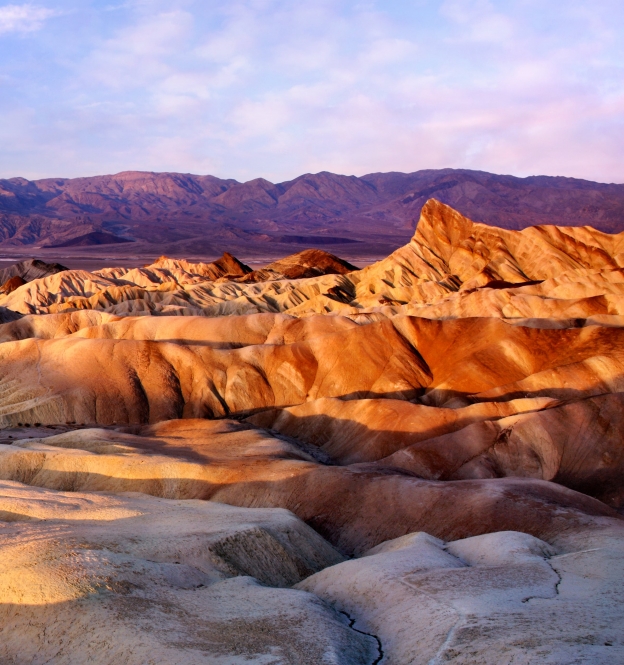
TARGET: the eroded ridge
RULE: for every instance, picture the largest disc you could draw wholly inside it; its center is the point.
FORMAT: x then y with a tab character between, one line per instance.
416	462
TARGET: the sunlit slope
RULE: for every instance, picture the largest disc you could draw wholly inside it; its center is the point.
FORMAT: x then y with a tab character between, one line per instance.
452	267
445	428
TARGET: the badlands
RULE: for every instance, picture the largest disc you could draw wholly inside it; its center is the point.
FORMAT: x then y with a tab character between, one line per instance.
418	462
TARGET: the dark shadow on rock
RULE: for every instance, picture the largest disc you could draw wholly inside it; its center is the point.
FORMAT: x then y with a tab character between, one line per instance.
358	508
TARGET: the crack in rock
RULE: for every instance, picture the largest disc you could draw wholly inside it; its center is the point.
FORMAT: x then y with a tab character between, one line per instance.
559	580
380	651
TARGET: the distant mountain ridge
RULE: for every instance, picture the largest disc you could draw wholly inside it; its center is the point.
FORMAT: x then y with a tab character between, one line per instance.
173	212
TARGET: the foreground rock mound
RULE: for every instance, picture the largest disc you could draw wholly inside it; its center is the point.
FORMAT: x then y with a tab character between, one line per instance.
354	507
444	400
111	563
101	578
496	598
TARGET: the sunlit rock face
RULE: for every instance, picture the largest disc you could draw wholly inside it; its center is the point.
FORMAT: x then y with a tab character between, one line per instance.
452	268
417	462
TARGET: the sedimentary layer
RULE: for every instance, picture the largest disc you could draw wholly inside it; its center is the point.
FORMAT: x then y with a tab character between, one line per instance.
416	462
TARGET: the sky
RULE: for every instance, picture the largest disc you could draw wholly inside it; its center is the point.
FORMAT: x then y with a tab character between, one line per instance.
277	88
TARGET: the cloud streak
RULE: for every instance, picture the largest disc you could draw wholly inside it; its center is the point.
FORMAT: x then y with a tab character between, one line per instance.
273	88
23	18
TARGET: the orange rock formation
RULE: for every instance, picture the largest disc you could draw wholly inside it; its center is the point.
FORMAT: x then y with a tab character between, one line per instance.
470	386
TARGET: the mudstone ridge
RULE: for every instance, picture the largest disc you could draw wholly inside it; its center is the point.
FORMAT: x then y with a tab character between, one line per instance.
416	462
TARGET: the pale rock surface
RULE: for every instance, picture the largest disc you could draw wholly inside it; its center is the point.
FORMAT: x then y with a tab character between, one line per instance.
134	579
493	599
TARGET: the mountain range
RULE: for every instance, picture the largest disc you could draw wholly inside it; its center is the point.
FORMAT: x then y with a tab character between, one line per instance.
143	213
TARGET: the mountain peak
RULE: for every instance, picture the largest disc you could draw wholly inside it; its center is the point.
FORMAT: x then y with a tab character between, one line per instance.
441	225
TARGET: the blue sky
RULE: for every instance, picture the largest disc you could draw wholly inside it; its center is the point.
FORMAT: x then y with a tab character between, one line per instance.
276	88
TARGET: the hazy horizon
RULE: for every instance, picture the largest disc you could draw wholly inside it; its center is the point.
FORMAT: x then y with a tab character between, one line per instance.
280	182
